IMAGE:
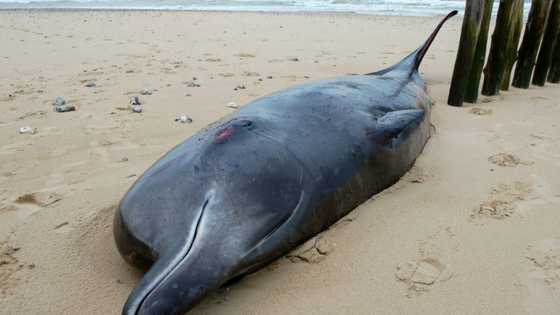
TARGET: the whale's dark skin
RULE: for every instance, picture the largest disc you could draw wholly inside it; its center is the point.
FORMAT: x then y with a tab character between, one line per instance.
247	190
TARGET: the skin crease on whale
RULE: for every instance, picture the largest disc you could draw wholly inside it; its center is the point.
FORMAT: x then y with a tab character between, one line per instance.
247	190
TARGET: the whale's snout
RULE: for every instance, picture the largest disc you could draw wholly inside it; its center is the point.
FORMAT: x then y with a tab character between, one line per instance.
175	284
190	265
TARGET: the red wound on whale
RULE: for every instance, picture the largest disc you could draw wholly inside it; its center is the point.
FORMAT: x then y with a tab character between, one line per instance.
224	135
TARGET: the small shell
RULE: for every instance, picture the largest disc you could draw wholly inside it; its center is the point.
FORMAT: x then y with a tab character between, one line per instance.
27	130
184	119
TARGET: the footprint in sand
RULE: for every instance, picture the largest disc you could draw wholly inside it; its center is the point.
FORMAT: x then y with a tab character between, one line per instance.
542	277
508	160
93	243
9	266
480	111
28	204
428	269
502	202
504	159
41	199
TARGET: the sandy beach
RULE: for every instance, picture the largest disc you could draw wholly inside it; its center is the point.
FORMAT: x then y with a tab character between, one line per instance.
471	229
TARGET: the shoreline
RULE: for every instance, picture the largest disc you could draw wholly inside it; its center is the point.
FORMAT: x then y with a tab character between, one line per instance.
471	229
273	12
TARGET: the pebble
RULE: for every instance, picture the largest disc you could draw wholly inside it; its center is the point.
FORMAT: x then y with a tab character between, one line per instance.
64	108
135	100
192	84
137	108
59	101
239	87
90	84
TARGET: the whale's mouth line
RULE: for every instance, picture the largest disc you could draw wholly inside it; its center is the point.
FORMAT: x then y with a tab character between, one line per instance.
183	253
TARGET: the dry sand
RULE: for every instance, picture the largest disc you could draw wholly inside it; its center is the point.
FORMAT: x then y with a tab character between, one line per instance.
472	229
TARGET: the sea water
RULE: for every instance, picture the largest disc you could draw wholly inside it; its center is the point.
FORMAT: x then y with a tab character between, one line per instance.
380	7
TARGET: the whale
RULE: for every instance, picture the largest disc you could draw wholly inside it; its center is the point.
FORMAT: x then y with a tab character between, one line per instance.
249	188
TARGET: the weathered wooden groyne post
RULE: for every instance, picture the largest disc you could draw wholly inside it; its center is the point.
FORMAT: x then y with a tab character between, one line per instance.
544	59
539	51
554	73
465	55
503	49
532	38
473	85
513	44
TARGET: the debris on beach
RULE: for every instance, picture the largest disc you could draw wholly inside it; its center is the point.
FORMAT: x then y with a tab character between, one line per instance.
294	59
58	226
184	119
135	100
60	105
245	55
90	84
59	101
64	108
145	92
232	105
191	84
137	109
251	74
27	130
239	87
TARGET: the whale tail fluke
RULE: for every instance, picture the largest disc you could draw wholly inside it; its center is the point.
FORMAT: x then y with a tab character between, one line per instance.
410	63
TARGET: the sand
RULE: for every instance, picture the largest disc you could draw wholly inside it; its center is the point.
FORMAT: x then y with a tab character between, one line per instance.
472	229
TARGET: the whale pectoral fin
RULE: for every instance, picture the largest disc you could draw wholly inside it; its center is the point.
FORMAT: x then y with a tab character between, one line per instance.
397	124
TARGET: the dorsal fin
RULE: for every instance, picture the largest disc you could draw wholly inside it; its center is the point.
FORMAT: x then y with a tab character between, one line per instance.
410	63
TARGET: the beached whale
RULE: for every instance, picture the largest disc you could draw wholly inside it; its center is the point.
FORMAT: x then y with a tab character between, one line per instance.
246	190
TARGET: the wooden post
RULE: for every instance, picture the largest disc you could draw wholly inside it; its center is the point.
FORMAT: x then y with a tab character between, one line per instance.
513	44
503	49
547	47
473	85
531	42
554	73
466	51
